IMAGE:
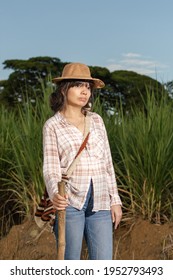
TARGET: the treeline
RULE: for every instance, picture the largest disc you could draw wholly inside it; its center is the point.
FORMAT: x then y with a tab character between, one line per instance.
125	87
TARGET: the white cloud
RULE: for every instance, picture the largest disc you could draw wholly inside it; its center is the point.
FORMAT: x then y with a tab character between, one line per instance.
137	63
132	55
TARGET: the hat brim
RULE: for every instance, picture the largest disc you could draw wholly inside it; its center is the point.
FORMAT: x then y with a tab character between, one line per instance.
97	82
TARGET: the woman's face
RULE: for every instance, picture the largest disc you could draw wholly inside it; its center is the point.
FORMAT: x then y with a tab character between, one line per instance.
78	95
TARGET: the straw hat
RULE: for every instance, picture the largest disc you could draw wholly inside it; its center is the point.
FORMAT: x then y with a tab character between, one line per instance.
78	71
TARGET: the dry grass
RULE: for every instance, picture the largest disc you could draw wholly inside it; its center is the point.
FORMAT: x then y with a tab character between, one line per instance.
168	247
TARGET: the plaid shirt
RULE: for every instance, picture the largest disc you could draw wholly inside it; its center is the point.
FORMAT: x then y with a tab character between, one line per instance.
61	142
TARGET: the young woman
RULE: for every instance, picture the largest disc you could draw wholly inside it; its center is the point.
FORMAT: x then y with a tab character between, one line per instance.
92	202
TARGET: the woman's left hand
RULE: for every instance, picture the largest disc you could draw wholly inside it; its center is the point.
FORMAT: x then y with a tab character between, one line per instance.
116	213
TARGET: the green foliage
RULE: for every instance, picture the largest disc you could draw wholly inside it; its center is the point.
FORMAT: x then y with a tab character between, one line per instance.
100	73
126	87
142	145
25	80
21	159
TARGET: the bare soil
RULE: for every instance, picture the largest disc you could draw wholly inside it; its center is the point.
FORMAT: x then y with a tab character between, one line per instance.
135	239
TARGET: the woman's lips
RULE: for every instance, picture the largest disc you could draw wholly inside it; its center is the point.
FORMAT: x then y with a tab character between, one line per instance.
83	99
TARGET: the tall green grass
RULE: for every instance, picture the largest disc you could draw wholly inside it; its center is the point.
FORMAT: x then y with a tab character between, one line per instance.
21	159
141	144
6	157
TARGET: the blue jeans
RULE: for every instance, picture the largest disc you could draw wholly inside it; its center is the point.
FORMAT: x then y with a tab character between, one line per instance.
96	227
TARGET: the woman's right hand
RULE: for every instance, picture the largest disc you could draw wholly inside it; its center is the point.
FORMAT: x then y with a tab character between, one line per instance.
60	202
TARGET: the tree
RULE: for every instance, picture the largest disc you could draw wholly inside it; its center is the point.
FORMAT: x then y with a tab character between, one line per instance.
127	87
25	80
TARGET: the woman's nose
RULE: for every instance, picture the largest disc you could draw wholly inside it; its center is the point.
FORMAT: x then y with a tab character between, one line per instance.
84	90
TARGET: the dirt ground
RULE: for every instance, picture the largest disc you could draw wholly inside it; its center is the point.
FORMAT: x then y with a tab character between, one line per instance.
135	239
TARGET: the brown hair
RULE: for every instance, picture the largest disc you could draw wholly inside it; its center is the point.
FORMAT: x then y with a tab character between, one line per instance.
58	97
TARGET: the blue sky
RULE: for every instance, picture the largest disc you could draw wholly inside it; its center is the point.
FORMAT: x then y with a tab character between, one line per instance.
116	34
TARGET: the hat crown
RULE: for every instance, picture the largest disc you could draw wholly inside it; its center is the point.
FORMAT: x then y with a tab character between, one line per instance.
76	70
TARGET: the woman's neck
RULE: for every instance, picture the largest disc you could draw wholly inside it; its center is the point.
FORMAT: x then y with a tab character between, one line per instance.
72	113
75	117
